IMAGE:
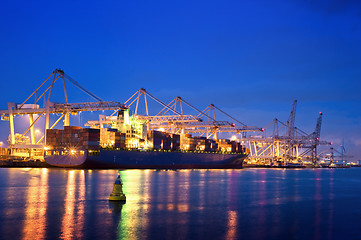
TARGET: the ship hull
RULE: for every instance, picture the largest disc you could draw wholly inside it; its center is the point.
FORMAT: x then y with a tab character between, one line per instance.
121	159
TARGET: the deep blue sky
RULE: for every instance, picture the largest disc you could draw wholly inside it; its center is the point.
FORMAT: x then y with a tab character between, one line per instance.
252	59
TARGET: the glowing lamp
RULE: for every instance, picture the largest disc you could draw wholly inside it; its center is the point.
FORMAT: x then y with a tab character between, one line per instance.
72	152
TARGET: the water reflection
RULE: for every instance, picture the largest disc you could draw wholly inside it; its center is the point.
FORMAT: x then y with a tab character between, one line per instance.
232	225
330	203
130	225
262	202
318	198
36	205
189	204
73	218
115	208
152	193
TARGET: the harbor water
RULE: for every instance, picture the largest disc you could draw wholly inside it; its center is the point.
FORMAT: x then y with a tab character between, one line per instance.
41	203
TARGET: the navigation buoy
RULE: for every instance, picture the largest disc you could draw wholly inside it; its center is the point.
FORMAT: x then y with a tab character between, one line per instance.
117	194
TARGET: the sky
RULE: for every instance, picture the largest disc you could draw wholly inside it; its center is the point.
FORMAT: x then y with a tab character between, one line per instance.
249	58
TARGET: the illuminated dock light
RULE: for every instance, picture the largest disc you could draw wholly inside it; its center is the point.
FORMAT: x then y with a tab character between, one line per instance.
72	152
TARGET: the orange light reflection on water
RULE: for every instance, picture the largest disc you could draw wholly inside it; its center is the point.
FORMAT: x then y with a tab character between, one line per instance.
73	218
232	225
35	210
170	191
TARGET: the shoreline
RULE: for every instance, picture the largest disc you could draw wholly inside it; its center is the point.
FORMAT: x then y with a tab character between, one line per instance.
17	163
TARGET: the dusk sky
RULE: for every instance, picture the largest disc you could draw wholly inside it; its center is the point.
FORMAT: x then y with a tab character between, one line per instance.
249	58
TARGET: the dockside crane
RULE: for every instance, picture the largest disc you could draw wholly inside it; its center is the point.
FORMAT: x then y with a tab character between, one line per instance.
175	115
171	117
35	109
334	156
316	138
291	121
311	142
341	157
291	147
286	143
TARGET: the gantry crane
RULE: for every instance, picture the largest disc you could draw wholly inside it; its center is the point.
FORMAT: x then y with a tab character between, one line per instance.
34	110
333	157
313	142
286	144
171	117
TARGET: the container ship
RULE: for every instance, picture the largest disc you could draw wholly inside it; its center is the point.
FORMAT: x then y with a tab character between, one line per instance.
127	144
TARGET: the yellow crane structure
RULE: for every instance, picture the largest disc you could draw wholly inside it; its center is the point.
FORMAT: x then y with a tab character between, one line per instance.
35	110
171	117
286	144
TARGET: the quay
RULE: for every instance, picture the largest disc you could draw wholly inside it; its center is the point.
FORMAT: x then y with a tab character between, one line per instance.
10	162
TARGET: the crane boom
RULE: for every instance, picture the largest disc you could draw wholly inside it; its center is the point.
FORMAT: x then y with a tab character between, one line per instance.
291	120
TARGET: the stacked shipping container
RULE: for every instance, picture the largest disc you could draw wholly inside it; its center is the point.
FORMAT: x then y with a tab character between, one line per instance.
165	141
93	139
90	138
71	136
111	138
175	142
